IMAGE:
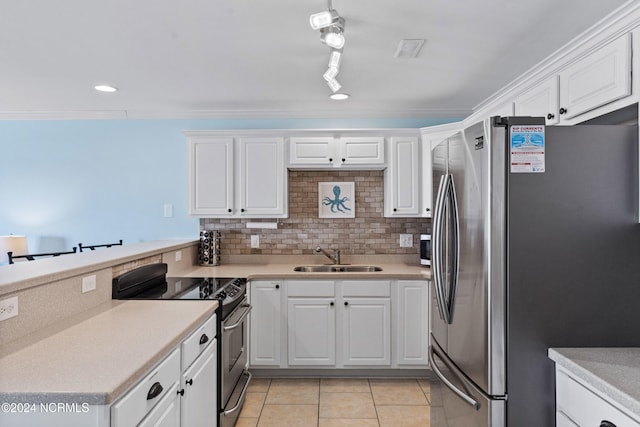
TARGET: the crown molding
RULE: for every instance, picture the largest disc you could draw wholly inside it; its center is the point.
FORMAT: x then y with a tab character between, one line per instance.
447	113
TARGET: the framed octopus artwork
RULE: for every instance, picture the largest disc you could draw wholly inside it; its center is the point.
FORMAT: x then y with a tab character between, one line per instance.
336	200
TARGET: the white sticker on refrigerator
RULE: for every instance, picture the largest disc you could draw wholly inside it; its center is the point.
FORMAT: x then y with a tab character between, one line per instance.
527	149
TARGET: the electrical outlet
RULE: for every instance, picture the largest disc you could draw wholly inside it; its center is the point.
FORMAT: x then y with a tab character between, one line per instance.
89	283
178	256
255	241
8	308
406	240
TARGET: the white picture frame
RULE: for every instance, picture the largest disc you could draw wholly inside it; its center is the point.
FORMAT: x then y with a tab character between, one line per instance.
336	200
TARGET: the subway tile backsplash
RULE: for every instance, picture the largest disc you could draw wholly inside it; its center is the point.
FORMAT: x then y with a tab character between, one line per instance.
369	233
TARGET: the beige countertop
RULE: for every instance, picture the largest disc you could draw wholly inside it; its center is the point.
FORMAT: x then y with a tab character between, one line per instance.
97	360
272	267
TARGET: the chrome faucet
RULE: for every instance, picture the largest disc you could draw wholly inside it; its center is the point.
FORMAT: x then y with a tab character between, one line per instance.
335	257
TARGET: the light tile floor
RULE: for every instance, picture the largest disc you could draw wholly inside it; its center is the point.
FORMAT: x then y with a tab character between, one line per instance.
336	402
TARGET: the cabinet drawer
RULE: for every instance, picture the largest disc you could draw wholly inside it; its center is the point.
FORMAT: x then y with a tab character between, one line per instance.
191	346
366	288
311	288
135	405
584	407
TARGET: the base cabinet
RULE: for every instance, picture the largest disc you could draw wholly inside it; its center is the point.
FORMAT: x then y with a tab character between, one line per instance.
578	404
339	324
198	382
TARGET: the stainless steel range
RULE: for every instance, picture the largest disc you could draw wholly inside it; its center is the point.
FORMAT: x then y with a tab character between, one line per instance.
150	282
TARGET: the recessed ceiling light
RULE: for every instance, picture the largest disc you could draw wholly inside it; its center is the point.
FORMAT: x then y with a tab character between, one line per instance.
105	88
339	96
409	48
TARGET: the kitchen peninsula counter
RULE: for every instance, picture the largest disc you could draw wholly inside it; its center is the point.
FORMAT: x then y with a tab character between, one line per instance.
96	360
614	372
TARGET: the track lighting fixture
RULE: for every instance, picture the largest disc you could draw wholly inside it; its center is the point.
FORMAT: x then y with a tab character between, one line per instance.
331	26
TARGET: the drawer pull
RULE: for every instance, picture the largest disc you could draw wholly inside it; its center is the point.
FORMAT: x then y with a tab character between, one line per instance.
605	423
204	339
154	391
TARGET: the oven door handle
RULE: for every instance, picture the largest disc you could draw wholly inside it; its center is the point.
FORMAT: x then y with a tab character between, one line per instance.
248	308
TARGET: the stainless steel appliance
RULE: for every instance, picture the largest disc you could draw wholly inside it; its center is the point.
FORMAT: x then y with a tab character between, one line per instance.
425	249
536	245
150	282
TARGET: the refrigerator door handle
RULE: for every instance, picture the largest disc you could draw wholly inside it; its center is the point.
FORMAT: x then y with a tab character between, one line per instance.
464	396
437	246
455	265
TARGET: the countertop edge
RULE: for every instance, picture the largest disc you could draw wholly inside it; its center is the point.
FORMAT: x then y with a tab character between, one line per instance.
631	404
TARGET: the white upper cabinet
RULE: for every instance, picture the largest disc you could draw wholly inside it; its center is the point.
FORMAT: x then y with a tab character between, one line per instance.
597	79
236	177
262	178
211	172
402	178
540	101
327	152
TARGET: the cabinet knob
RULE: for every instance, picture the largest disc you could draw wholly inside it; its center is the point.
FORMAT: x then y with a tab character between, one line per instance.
605	423
154	391
330	160
189	382
242	210
563	110
346	303
181	392
331	303
428	209
229	210
344	160
277	286
395	210
550	116
204	339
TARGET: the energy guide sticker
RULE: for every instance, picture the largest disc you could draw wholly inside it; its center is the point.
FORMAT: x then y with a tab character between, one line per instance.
527	149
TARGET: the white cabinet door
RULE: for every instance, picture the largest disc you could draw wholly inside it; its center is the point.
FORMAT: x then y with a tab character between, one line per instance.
265	322
361	151
366	331
540	101
402	196
312	151
411	323
311	331
262	179
599	78
211	173
199	382
166	413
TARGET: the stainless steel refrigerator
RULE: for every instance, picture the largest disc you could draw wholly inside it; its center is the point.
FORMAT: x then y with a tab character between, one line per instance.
536	244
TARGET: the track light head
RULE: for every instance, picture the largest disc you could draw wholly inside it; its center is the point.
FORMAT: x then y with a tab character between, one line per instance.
332	37
323	19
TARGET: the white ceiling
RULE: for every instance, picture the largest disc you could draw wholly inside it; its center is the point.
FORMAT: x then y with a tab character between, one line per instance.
258	58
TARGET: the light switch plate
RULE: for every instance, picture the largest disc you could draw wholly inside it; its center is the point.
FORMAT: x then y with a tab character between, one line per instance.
255	241
178	256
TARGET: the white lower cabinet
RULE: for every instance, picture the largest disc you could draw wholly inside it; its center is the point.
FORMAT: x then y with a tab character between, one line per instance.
578	404
180	390
412	322
265	322
198	382
339	323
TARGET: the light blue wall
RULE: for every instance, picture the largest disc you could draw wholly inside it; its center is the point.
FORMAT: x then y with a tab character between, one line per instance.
97	181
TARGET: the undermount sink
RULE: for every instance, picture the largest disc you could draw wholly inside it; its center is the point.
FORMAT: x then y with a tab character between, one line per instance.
337	268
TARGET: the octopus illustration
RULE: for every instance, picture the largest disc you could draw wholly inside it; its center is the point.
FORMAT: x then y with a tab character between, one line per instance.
337	204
